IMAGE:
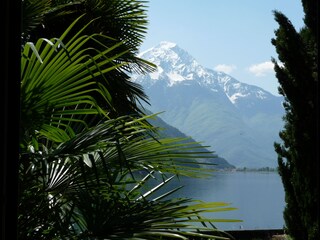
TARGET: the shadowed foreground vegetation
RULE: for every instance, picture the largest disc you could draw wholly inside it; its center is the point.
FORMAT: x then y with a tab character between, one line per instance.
84	139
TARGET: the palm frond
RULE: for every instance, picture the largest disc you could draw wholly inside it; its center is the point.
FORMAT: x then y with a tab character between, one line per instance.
33	15
64	83
116	215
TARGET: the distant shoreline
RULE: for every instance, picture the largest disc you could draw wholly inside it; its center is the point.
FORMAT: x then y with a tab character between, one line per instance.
263	169
246	169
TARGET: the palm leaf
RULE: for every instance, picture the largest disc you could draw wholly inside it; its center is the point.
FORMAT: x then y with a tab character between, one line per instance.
100	197
125	142
63	84
33	15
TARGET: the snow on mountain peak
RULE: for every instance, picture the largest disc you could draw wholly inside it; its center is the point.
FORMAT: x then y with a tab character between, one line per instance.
168	54
177	66
167	45
174	64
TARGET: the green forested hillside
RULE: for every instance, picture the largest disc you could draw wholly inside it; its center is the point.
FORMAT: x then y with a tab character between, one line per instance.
170	131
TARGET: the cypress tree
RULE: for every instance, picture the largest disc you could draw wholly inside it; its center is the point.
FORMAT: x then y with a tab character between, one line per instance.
298	156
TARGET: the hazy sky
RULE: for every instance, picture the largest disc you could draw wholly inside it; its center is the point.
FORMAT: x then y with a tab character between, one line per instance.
233	36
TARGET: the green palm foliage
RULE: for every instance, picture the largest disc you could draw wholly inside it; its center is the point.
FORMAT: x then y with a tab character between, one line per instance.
124	20
85	173
121	20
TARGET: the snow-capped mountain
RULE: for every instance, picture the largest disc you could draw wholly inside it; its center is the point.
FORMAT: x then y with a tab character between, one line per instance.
239	121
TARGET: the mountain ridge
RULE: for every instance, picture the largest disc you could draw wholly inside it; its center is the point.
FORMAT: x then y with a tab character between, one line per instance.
213	107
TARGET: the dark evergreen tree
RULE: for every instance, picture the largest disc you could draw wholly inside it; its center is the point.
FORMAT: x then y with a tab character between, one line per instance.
298	155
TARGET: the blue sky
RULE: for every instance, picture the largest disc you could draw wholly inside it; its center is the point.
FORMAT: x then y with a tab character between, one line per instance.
233	36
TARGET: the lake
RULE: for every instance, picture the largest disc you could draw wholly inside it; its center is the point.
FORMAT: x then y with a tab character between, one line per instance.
259	197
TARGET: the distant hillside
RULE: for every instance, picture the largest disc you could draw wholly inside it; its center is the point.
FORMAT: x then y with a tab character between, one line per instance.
169	131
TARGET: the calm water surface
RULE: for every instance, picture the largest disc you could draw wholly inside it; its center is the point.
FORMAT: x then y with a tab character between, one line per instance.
259	197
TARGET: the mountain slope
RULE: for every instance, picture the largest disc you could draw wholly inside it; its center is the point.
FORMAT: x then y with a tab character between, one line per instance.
167	130
239	121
